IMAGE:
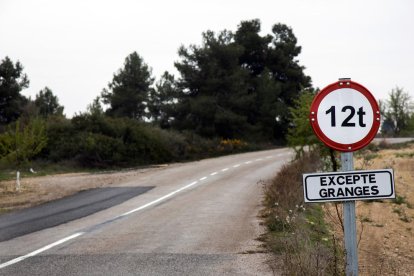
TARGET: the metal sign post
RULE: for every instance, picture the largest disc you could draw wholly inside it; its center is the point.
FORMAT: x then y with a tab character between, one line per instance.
350	234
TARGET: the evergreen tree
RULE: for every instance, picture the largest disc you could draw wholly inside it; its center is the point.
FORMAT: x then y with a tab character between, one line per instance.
128	93
47	103
286	71
95	108
12	82
163	99
240	85
270	117
255	47
214	96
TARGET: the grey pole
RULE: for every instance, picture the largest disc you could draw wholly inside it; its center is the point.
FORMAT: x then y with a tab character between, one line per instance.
351	250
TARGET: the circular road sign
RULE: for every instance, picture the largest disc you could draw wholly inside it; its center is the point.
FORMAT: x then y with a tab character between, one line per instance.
345	116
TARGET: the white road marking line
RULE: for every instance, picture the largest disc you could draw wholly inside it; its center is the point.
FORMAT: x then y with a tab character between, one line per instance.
159	199
213	173
267	157
225	169
36	252
203	178
237	165
259	159
247	162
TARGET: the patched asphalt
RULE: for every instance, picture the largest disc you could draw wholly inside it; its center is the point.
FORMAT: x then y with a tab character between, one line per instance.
63	210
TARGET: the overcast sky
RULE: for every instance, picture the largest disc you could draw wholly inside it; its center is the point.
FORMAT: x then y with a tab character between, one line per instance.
74	47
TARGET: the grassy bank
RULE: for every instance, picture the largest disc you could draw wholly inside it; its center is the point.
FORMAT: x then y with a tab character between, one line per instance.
297	232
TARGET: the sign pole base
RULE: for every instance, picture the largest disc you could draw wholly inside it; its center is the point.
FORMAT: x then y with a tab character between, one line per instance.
350	233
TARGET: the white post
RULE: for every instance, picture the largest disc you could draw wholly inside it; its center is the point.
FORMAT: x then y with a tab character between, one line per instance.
350	234
18	181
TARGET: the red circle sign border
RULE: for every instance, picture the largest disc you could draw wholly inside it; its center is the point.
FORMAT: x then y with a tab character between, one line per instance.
314	118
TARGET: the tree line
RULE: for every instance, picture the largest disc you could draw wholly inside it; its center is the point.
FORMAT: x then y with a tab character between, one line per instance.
236	88
234	85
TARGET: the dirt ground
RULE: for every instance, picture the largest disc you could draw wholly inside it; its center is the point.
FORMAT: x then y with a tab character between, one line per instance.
38	190
385	227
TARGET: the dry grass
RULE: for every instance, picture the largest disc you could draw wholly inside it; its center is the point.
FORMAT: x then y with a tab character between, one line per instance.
387	239
297	232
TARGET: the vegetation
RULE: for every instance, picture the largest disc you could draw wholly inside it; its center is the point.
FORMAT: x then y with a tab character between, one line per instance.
236	86
128	93
48	104
12	82
397	113
20	144
297	231
301	136
102	141
239	85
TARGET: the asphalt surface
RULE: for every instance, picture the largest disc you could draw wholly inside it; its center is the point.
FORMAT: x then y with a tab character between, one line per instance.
60	211
393	140
201	218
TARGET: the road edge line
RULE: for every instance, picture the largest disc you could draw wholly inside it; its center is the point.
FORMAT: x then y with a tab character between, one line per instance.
40	250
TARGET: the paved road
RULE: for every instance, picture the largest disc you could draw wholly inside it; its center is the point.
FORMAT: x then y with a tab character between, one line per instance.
199	219
393	140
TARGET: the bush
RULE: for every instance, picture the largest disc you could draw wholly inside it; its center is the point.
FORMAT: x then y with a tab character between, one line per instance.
61	140
97	150
101	141
144	144
22	142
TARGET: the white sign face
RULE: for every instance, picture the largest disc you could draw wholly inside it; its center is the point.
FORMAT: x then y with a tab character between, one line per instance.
352	185
345	116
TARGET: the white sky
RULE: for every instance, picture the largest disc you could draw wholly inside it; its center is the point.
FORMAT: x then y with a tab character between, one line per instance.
74	47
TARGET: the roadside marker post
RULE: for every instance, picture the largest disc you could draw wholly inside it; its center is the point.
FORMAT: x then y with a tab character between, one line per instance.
345	116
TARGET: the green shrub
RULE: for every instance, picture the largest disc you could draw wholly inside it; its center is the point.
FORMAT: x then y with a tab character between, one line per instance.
97	150
22	142
96	140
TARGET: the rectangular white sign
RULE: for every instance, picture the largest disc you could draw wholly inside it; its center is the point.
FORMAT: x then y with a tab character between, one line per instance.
351	185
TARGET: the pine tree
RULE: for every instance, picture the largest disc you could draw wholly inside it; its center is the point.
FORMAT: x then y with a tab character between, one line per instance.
128	93
47	103
240	85
214	93
12	82
163	99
